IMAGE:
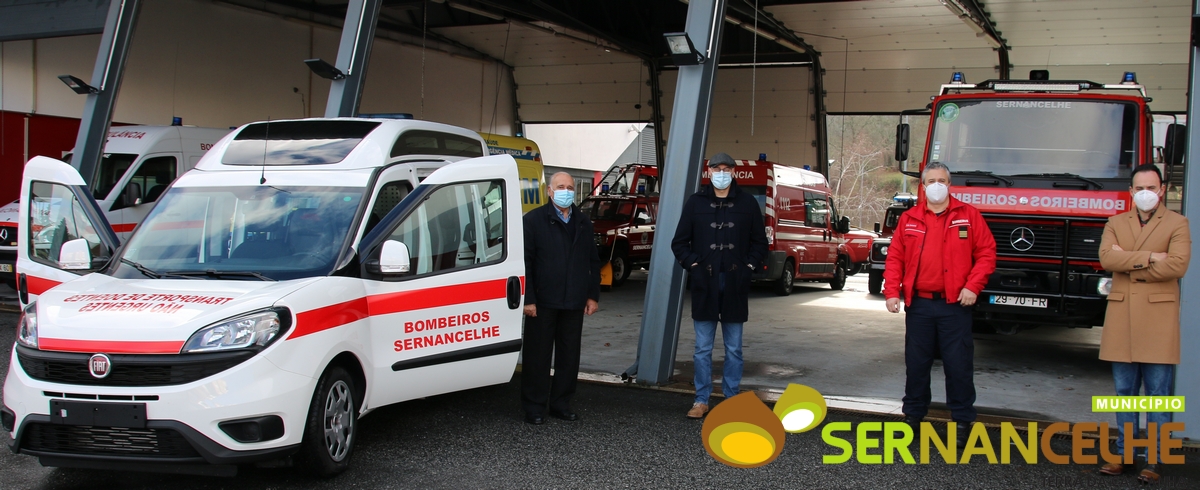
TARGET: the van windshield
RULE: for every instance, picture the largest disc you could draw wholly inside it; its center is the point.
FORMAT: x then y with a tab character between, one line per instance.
253	233
608	210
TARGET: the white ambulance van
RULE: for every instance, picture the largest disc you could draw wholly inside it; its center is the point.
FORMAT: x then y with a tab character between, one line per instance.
278	292
138	164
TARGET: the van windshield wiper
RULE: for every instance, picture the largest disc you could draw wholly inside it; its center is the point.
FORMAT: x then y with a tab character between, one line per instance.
216	274
151	273
1065	176
985	173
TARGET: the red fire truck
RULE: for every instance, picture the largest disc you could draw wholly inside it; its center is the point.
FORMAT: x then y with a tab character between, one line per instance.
805	234
623	207
900	203
1046	162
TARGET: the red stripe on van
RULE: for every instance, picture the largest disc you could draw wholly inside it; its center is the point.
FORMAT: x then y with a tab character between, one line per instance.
110	346
38	285
336	315
327	317
123	227
420	299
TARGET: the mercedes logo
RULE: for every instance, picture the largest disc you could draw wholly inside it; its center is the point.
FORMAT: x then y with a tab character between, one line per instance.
1021	239
99	365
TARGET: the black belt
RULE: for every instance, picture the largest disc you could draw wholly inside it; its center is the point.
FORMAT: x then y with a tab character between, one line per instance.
928	295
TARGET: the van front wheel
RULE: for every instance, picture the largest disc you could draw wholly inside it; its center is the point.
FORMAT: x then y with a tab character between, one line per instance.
787	279
331	428
838	281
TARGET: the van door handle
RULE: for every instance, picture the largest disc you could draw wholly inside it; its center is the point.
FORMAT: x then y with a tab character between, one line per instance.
514	292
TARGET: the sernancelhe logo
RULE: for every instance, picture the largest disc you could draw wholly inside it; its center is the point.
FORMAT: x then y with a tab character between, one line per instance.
742	432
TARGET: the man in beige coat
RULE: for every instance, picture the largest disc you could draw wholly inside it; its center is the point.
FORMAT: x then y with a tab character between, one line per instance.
1147	249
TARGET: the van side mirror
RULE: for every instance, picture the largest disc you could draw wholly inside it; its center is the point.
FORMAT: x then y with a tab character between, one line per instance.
902	142
131	196
75	255
878	228
394	258
1176	144
844	225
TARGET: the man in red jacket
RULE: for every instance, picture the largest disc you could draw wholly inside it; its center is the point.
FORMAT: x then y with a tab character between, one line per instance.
940	258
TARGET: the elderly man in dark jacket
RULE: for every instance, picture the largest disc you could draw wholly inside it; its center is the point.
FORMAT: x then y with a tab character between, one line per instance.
721	242
562	284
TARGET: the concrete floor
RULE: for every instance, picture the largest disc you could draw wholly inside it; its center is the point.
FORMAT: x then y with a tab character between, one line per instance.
847	346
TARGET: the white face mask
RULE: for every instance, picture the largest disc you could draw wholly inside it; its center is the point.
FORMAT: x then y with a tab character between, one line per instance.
1145	200
937	192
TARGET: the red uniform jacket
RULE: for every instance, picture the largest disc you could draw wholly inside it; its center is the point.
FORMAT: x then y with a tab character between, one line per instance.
968	251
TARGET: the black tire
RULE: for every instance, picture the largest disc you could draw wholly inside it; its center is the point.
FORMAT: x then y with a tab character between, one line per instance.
855	269
787	279
331	429
620	268
875	282
838	281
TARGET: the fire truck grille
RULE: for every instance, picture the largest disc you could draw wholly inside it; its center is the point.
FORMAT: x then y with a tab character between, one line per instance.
73	439
127	370
1084	242
1040	239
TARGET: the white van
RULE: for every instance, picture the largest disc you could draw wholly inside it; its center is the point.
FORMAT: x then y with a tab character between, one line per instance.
138	164
278	292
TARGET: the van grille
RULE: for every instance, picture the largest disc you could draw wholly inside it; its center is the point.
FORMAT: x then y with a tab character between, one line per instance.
73	439
127	370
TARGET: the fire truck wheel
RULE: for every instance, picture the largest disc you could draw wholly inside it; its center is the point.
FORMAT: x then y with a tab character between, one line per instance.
620	269
787	278
332	426
875	282
838	281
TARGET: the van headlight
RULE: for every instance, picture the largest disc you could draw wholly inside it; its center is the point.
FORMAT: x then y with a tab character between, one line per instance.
1104	285
27	333
252	331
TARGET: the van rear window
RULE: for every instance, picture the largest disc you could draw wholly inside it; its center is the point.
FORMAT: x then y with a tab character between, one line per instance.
296	142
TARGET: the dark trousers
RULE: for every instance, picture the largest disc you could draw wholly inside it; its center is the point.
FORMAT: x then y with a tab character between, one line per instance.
554	333
932	325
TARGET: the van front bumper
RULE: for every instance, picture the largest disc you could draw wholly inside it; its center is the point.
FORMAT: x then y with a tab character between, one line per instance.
181	431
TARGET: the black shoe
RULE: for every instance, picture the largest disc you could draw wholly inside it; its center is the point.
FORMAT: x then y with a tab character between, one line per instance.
567	415
914	423
964	433
535	419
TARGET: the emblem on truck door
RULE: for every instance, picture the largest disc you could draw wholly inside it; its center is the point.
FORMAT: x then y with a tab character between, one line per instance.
99	365
1021	239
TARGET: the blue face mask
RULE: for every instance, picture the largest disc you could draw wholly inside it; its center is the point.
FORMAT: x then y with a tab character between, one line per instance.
721	180
564	198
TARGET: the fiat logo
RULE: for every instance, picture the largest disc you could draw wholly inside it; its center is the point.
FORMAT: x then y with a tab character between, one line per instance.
1021	239
99	365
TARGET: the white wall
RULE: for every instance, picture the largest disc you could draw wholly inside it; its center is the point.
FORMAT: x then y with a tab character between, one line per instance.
582	146
222	66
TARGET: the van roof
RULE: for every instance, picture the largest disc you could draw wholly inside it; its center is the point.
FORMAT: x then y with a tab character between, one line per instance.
339	144
788	175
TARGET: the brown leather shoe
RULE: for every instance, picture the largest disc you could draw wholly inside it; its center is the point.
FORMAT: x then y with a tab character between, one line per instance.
1113	469
698	410
1149	474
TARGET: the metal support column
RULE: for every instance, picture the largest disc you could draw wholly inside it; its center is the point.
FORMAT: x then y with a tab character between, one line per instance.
684	154
106	78
358	34
1187	374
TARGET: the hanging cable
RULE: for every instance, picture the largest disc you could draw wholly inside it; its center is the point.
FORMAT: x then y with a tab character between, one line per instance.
424	30
754	70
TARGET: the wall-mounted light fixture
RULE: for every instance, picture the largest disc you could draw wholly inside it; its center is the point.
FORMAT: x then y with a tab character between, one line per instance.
79	86
683	52
323	69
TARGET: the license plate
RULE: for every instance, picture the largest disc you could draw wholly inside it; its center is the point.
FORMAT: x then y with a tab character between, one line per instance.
129	415
1018	301
6	268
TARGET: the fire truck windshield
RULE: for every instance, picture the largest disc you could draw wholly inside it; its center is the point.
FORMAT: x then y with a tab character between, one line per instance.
608	209
1090	138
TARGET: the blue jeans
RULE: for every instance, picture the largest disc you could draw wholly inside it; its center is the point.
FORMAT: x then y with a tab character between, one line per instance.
706	332
1129	378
